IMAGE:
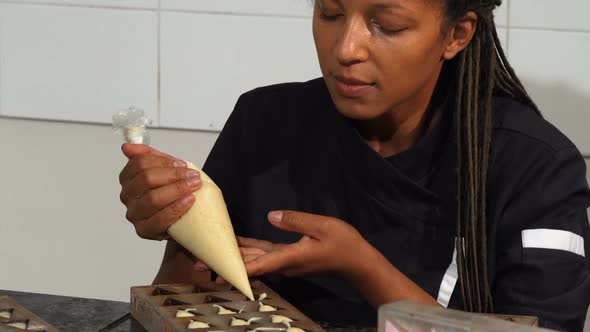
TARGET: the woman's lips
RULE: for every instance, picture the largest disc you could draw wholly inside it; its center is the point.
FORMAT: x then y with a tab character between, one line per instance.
352	87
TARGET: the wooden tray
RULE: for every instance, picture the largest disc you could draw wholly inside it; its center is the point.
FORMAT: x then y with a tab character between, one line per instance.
156	306
18	315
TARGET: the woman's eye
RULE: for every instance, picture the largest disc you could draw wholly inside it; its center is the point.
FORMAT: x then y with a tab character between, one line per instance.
387	31
329	16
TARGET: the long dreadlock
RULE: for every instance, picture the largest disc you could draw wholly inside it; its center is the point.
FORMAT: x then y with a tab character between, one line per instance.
476	74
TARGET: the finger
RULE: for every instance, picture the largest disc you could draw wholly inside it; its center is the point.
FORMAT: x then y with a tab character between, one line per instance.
273	262
133	150
255	243
157	199
249	258
313	225
154	178
155	227
220	281
200	266
252	251
141	163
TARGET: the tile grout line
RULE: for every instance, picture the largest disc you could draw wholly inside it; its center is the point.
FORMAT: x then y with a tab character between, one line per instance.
72	5
97	123
548	29
158	8
159	63
228	13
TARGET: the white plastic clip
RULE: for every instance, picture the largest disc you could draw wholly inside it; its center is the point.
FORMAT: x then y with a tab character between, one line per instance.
132	124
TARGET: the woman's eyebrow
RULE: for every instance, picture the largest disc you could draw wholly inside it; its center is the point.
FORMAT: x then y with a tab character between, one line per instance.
322	2
387	5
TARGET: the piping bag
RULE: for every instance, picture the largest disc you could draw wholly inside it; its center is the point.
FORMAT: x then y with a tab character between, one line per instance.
205	230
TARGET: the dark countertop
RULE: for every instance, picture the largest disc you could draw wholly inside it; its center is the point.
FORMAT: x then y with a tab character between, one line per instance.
76	314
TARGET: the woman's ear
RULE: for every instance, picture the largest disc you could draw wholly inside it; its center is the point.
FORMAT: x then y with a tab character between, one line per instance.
460	35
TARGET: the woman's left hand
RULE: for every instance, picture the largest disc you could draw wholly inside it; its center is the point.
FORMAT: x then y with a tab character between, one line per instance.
328	245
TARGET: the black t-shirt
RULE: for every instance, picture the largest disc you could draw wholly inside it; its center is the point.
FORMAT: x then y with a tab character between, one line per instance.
287	147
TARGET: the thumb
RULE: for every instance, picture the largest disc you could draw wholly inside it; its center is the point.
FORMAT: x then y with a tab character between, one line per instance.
312	225
134	150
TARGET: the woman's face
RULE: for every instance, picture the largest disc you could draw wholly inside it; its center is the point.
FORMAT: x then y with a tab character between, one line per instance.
378	55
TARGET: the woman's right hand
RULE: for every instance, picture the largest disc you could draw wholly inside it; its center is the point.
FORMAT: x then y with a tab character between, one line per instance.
156	189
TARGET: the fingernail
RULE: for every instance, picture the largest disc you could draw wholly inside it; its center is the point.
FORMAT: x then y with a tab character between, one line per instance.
186	200
275	216
193	182
201	267
191	173
179	163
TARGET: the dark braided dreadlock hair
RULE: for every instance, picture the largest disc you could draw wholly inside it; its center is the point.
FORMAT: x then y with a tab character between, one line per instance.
475	75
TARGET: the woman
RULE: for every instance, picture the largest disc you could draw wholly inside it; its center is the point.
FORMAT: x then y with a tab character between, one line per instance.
418	159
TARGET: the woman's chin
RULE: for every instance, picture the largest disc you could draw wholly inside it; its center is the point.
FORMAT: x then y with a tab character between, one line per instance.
357	111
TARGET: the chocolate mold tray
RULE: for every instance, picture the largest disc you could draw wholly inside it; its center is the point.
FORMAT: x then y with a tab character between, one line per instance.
14	317
212	307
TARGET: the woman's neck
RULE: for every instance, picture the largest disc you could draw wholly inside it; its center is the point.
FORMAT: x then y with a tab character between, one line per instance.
400	128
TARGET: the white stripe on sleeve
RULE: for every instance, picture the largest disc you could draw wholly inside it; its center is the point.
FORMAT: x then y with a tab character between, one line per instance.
553	239
449	281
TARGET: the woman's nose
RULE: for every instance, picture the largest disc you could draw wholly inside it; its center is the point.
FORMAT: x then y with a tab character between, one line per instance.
353	41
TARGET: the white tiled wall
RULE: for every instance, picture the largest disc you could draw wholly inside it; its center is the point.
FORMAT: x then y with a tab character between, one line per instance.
184	61
148	4
76	63
501	16
558	77
187	61
549	47
503	35
256	7
204	73
550	14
